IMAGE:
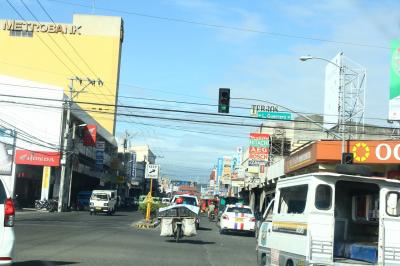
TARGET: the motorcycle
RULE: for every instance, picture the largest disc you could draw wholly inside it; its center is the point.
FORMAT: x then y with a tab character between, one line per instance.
178	234
211	217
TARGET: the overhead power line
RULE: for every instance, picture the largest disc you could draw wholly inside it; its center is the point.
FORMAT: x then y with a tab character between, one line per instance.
172	110
225	27
195	121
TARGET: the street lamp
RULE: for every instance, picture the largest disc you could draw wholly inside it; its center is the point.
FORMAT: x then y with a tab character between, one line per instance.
341	94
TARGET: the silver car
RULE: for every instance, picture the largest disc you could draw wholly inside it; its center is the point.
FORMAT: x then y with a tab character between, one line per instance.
7	236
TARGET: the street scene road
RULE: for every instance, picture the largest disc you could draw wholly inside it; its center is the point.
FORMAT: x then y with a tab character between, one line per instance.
76	238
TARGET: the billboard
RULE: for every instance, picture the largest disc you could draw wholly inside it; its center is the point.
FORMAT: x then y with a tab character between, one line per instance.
394	100
259	146
331	94
227	167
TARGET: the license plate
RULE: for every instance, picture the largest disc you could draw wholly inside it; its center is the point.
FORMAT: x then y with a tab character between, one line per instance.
98	208
239	220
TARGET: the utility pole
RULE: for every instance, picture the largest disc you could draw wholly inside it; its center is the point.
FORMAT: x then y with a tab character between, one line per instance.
66	168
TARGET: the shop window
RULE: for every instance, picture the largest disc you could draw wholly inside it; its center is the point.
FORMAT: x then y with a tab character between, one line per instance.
366	207
293	199
323	197
393	204
21	33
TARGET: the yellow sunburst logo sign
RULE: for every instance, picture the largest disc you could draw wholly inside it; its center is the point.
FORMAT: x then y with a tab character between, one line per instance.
361	152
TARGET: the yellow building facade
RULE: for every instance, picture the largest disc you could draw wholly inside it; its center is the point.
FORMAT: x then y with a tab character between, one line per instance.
53	53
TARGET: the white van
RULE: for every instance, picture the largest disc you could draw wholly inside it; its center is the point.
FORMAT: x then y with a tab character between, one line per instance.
332	219
103	201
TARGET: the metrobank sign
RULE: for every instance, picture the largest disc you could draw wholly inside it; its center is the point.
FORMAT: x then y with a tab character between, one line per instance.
14	25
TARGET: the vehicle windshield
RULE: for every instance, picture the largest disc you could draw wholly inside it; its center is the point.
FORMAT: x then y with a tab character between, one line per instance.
188	201
239	210
99	197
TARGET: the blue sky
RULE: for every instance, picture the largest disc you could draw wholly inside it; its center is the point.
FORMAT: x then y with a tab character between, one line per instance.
166	59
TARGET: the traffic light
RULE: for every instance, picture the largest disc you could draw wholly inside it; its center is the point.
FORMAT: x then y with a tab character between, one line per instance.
223	100
347	158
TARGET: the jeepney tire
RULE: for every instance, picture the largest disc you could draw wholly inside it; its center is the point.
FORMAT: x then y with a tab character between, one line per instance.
263	260
289	262
197	226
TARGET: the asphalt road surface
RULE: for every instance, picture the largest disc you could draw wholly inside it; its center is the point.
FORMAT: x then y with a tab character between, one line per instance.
76	238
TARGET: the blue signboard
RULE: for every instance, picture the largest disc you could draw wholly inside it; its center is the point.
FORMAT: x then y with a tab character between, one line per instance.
220	166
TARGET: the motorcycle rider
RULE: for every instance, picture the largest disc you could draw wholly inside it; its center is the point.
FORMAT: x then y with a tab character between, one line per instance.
211	209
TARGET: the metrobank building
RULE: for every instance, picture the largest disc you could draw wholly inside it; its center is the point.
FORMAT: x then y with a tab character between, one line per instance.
41	57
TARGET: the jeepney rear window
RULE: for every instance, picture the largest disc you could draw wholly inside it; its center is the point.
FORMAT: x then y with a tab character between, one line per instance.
293	199
323	197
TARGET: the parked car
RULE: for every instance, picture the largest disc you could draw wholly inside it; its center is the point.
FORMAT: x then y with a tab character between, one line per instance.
237	218
83	200
103	201
7	236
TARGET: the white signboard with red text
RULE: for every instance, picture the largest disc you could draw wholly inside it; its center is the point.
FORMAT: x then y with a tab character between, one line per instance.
259	146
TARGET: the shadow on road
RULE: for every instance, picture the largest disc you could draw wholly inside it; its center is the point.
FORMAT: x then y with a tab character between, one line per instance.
42	263
204	229
194	242
232	233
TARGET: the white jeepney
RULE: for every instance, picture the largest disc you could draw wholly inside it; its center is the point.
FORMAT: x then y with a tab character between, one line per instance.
331	219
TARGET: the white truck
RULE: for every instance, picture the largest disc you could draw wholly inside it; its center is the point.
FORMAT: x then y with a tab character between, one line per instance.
331	219
103	201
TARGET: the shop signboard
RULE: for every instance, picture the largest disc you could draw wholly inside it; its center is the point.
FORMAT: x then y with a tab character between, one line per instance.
41	158
394	101
259	146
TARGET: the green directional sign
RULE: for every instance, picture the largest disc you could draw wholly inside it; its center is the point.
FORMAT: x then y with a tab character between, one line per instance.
275	115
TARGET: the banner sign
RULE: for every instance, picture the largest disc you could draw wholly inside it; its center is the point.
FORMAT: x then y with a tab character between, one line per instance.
7	149
42	158
46	176
100	147
259	146
394	101
132	164
89	135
